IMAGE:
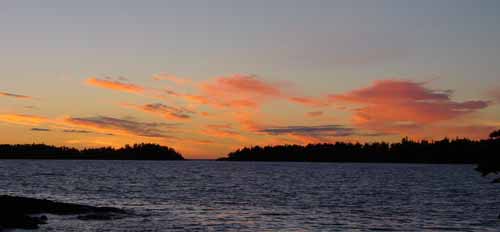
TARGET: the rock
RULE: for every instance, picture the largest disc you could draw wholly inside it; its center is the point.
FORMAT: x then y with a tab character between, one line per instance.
20	221
17	212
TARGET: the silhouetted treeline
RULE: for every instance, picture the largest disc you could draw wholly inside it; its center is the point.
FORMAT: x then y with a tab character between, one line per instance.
459	151
143	151
491	164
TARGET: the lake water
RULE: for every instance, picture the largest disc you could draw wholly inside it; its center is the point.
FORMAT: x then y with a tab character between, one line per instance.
253	196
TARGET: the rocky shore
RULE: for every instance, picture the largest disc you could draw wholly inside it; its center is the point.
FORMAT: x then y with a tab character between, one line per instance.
29	213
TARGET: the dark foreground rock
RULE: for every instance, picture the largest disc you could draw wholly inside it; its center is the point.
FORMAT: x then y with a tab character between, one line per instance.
26	213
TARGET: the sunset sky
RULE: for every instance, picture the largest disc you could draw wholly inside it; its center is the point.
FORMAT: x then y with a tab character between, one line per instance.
207	77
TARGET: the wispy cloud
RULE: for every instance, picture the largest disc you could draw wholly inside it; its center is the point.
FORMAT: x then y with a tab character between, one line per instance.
117	85
172	78
222	131
309	101
23	119
238	91
118	126
5	94
168	112
321	130
318	133
77	131
40	129
247	91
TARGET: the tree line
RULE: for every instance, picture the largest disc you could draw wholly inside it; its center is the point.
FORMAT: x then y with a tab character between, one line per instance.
457	151
142	151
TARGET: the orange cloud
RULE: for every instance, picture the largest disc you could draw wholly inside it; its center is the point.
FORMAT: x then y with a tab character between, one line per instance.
115	85
172	78
23	119
247	122
401	104
315	114
221	131
237	92
4	94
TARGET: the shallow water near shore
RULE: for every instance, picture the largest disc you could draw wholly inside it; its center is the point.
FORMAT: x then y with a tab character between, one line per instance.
261	196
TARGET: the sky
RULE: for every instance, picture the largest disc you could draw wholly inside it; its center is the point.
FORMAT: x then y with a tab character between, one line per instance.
209	77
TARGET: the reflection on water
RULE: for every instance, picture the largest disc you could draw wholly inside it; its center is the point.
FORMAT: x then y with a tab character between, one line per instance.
252	196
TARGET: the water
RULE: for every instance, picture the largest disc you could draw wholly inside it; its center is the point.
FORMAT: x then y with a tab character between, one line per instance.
253	196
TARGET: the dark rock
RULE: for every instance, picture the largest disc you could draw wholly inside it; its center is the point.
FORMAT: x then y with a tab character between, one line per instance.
20	221
17	212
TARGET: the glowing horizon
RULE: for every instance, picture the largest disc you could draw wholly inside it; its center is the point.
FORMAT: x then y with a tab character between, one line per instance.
208	80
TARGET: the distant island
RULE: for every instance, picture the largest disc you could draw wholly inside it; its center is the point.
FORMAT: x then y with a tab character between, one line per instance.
142	151
486	152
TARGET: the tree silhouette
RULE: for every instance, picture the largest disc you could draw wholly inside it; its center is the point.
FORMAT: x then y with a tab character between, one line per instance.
485	153
143	151
491	163
495	134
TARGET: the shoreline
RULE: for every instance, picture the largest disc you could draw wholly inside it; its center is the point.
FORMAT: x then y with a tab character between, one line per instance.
29	213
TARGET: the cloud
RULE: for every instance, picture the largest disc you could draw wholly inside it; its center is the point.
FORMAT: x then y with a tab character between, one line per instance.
315	114
77	131
221	131
322	130
394	104
168	112
23	119
4	94
238	91
241	84
40	129
309	101
115	85
172	78
247	91
316	134
118	126
495	94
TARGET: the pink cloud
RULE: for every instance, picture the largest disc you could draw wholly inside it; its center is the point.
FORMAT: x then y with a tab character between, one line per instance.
400	104
247	91
308	101
238	91
238	84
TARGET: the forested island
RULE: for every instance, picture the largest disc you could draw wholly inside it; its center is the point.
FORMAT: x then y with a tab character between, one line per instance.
457	151
142	151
